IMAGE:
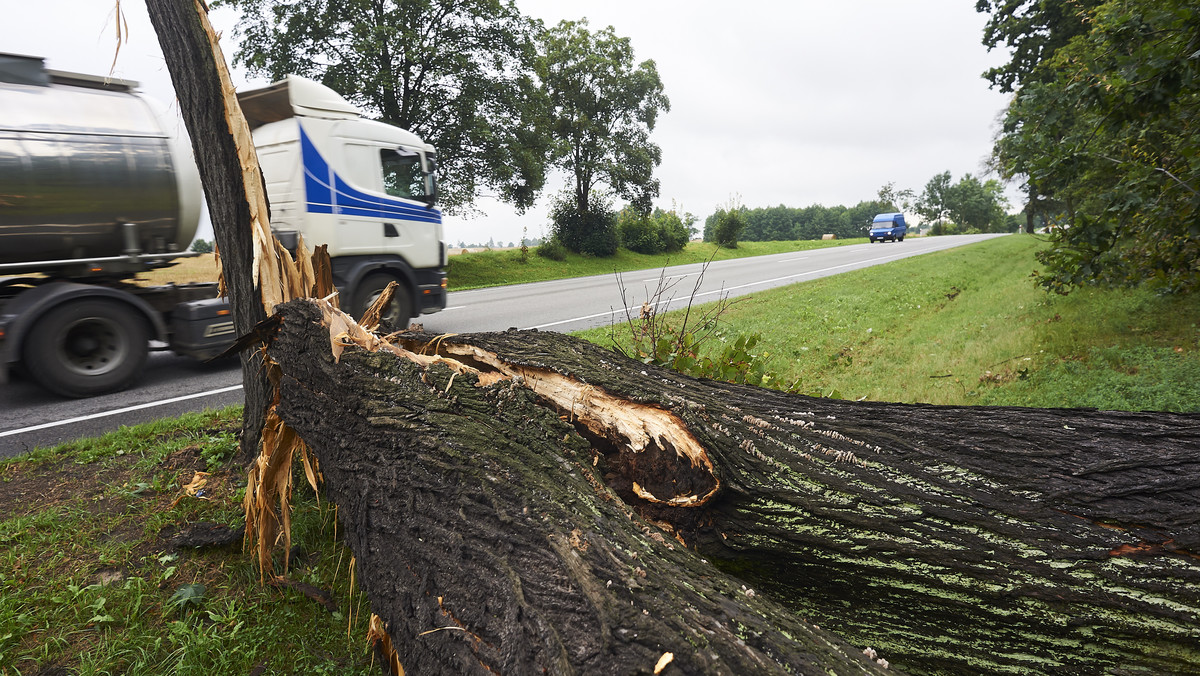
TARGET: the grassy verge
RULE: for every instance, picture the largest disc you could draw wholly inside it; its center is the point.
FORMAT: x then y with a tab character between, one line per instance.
967	326
497	268
90	582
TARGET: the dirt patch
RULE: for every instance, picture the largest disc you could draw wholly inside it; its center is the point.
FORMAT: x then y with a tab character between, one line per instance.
25	490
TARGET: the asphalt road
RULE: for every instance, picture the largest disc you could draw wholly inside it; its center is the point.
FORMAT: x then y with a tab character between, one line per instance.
173	385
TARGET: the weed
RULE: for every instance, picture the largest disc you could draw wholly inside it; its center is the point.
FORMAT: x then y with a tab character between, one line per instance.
680	343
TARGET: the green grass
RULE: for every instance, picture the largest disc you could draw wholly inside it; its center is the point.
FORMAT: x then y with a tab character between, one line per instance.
497	268
967	326
77	514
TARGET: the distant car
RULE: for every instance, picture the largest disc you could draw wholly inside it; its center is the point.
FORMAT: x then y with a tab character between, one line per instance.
888	226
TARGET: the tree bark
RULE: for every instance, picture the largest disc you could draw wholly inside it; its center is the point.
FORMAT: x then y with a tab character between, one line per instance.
525	502
192	60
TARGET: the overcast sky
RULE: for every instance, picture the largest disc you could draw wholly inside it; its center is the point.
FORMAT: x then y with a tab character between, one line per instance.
773	102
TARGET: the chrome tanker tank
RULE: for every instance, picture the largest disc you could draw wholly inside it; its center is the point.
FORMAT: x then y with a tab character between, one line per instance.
88	170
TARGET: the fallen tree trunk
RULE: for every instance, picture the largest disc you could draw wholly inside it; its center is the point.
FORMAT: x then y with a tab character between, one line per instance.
524	502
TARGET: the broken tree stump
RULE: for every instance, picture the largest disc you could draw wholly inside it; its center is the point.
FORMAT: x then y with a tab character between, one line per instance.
525	502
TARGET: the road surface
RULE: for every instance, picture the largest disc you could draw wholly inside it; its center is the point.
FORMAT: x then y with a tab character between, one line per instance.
173	385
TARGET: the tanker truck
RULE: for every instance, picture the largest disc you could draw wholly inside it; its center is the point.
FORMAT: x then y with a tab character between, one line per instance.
94	189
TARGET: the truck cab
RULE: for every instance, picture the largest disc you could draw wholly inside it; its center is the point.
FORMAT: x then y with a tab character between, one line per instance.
888	226
363	188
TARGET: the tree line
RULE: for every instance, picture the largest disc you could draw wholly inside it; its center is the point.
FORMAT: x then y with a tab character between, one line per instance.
967	206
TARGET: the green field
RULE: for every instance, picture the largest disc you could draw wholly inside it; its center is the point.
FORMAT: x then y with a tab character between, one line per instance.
968	326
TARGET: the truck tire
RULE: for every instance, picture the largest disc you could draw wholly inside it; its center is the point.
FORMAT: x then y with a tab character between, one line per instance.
397	316
87	347
900	238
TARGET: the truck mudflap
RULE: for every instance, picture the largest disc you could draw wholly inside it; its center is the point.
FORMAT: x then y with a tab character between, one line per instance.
430	291
202	329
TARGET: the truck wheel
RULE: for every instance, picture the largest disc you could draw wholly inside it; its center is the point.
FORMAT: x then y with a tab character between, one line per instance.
398	313
87	347
900	238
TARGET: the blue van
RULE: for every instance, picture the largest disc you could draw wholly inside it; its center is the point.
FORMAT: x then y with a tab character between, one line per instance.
888	226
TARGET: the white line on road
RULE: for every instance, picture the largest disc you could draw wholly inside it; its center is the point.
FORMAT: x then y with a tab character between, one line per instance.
665	279
119	411
789	260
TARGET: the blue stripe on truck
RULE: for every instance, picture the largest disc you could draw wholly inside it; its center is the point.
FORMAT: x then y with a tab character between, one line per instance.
328	193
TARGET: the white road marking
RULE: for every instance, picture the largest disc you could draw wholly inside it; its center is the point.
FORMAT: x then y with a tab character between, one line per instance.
119	411
667	279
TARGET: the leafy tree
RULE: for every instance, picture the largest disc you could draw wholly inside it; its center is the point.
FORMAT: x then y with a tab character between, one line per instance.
978	206
933	204
602	110
895	199
455	72
1033	30
202	246
729	224
1104	128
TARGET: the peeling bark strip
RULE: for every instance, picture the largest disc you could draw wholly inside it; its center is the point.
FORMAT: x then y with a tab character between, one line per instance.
508	514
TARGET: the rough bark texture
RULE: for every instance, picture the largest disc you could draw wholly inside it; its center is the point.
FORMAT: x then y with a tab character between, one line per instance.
503	527
194	73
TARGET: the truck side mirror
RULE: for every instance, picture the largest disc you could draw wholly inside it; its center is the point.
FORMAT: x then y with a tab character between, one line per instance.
430	196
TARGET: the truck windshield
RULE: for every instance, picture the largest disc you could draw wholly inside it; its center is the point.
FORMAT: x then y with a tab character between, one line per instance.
402	173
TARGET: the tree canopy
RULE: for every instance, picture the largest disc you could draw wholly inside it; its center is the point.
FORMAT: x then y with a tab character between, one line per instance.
1103	127
1034	30
602	110
934	201
457	73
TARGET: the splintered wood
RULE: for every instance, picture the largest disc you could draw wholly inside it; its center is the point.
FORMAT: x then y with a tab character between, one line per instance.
630	426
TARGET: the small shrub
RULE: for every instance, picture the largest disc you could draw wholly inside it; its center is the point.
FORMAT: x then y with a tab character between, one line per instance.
730	224
202	246
673	233
593	233
638	233
552	249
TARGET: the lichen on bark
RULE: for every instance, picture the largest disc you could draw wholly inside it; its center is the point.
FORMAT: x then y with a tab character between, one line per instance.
949	539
